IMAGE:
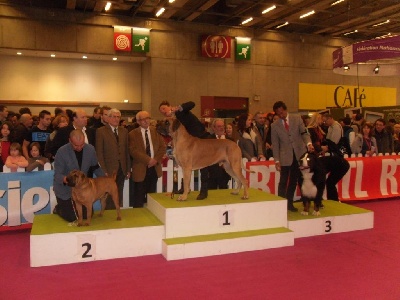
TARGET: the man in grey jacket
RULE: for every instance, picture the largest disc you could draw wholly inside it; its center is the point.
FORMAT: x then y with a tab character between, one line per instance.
290	140
76	155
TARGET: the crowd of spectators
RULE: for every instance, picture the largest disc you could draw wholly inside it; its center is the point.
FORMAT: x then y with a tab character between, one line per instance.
28	141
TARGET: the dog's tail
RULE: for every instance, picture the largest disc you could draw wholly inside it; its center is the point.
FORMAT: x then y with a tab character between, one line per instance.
247	170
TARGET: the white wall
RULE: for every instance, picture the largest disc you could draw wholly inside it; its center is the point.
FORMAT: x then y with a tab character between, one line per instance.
52	79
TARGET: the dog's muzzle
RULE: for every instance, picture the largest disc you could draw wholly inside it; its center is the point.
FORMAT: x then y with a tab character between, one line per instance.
70	181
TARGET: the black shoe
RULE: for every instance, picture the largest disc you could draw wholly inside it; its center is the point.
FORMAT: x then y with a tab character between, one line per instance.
180	192
292	208
202	196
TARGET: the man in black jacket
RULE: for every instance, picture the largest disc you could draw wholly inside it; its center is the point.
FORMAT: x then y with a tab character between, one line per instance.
195	128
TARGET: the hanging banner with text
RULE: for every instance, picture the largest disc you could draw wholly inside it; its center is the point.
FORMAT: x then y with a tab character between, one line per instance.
368	178
384	48
320	96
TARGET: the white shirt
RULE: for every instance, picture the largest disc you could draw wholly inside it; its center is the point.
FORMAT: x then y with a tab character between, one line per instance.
144	139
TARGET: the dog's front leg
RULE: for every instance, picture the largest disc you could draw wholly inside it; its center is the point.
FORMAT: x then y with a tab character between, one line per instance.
79	212
89	210
186	183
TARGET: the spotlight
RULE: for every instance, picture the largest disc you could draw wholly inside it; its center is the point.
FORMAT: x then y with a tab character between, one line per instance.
346	67
376	69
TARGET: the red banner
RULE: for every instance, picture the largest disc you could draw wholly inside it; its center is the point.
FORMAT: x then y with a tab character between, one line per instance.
368	178
216	46
122	38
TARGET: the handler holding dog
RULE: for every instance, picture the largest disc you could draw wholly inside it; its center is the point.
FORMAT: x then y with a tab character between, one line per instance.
195	128
76	155
290	140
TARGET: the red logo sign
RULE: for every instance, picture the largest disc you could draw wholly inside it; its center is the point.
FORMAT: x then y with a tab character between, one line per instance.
122	41
216	46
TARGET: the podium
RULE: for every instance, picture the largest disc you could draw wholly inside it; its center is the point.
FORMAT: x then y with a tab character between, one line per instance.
221	224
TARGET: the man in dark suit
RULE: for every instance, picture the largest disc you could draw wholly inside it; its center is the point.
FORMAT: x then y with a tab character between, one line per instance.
112	150
218	177
147	149
79	121
290	140
195	128
75	155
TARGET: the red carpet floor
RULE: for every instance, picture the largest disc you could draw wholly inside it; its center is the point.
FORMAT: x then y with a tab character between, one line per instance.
356	265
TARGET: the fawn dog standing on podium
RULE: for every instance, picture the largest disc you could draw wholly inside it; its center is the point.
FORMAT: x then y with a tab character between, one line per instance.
193	153
85	191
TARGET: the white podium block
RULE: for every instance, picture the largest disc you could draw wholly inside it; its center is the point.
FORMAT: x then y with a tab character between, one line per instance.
221	212
53	242
335	217
224	243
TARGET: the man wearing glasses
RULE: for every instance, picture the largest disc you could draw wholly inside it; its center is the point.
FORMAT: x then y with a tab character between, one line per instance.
147	149
112	150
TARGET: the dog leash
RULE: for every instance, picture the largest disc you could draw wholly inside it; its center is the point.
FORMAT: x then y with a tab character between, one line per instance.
74	223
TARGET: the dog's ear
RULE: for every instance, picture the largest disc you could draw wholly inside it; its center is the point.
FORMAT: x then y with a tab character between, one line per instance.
175	125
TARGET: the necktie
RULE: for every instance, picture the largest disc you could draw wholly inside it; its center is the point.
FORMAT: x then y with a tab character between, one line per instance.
116	133
286	124
146	136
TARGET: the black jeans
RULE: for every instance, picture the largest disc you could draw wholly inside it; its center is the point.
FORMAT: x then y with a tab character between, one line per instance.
288	181
337	167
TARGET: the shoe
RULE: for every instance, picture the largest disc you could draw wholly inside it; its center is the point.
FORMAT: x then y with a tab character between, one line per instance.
202	196
292	208
179	192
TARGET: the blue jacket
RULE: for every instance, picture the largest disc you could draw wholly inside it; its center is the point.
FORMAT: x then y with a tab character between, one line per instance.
65	161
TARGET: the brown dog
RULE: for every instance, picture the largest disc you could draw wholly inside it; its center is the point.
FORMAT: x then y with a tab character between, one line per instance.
85	191
192	153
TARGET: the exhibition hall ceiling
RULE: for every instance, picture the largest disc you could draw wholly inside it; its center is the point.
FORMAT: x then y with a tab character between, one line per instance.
356	19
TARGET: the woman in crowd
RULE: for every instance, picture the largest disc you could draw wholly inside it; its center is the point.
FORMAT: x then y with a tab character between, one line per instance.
249	143
231	132
5	134
364	142
396	138
316	133
59	121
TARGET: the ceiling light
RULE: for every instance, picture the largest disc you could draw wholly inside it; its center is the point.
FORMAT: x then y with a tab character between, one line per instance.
337	2
384	36
382	23
347	33
346	67
19	53
307	14
126	101
284	24
160	12
171	1
376	69
84	57
53	55
114	58
247	20
268	9
108	6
